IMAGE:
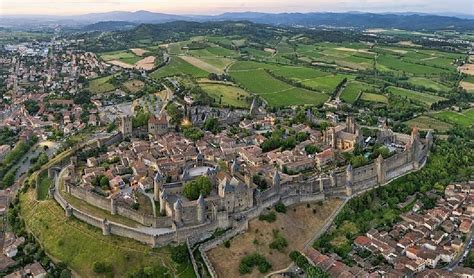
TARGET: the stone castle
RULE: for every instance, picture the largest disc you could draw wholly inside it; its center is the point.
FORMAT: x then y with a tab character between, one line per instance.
234	198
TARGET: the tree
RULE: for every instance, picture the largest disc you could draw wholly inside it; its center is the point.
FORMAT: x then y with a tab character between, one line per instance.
280	207
104	182
193	133
83	97
201	185
179	254
311	149
31	106
8	179
212	125
176	114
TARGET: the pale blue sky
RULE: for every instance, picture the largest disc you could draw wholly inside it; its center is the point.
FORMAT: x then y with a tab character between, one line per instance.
68	7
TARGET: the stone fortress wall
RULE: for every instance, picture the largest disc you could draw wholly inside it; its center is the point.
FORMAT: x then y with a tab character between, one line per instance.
334	184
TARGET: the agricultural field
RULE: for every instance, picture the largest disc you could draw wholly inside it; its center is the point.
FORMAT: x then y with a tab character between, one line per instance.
374	98
469	113
425	99
350	55
395	63
79	245
326	84
125	56
465	119
101	85
315	79
468	83
427	123
216	65
428	83
214	51
353	89
178	66
227	95
467	69
259	81
276	92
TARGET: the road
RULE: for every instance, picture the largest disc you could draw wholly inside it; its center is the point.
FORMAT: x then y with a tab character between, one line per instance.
463	253
24	164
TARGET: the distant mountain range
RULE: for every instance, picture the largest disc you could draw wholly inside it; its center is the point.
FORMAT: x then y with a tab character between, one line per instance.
120	20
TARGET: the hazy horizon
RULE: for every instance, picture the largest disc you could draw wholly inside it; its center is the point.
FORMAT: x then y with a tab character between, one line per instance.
213	7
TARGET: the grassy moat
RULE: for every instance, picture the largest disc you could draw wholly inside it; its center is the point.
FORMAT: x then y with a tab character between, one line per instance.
80	245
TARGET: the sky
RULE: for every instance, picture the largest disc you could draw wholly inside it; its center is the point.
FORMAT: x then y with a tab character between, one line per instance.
73	7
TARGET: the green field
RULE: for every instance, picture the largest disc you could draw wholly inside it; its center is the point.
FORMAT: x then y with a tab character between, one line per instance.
374	98
326	84
101	85
277	93
428	83
425	123
178	66
465	119
315	79
79	245
398	64
469	113
295	96
351	55
259	82
425	99
253	77
298	73
122	55
353	90
227	95
214	51
43	186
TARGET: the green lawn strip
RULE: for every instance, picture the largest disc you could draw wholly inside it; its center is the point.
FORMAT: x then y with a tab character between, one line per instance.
43	186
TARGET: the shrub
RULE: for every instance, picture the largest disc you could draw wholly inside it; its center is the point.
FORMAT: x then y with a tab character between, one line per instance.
226	244
180	254
280	207
102	267
248	262
269	217
279	242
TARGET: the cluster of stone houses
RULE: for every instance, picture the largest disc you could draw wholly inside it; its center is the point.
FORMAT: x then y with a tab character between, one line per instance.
424	239
332	266
33	270
34	76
